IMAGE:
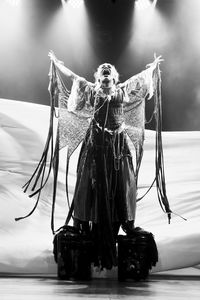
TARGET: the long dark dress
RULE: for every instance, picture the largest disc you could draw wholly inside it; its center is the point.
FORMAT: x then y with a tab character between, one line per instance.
105	192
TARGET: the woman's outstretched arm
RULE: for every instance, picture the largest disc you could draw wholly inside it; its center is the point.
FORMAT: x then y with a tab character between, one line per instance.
60	65
142	83
149	69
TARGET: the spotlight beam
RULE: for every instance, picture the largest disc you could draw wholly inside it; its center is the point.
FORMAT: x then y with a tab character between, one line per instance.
145	4
72	3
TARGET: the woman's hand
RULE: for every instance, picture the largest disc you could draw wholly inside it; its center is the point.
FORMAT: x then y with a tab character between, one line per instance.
54	58
156	62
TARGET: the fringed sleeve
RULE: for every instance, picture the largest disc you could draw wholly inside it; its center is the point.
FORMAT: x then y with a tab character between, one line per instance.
138	88
73	123
140	85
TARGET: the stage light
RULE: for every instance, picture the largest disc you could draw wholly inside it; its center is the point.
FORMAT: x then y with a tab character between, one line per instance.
70	32
72	3
145	4
14	2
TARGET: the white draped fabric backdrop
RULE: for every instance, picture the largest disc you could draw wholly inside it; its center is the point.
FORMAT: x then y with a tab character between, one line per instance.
26	245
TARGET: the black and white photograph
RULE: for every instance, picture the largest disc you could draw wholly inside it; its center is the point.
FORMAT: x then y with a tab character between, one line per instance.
100	143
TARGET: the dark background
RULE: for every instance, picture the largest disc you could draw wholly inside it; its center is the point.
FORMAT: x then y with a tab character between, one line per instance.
105	31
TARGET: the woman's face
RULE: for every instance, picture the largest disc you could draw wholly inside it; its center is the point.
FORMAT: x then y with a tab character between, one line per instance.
106	73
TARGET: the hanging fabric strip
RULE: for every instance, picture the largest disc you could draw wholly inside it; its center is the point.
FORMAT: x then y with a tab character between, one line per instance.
55	178
39	178
159	160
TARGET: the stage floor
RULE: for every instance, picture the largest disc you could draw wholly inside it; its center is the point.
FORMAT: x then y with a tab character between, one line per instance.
162	287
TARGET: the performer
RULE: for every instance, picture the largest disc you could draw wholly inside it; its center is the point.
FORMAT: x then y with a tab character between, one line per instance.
106	187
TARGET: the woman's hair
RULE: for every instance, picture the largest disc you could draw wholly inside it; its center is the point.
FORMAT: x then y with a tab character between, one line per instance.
114	72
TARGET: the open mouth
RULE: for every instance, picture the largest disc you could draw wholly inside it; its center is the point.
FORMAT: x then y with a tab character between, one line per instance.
106	72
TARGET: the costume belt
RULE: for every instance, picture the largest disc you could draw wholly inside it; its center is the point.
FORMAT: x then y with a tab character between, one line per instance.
110	131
